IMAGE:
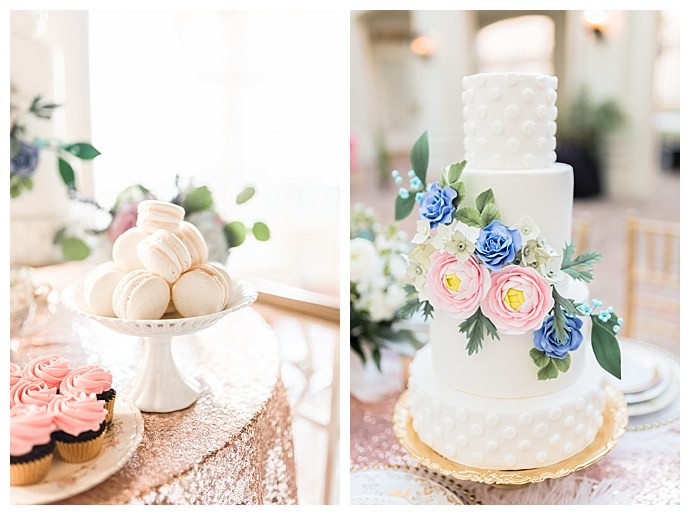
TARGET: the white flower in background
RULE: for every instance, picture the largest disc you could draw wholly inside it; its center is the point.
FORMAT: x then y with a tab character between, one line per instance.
423	231
363	259
527	228
397	266
418	262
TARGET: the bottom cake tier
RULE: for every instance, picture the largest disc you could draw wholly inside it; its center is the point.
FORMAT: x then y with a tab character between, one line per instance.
503	434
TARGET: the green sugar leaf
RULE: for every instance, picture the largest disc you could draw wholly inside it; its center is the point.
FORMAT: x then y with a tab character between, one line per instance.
550	371
489	214
419	156
470	216
197	199
579	267
84	151
539	357
605	347
67	173
403	206
261	231
455	171
562	364
74	249
484	198
475	327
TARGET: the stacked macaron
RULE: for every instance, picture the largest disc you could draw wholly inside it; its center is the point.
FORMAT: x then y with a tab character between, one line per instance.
54	406
159	268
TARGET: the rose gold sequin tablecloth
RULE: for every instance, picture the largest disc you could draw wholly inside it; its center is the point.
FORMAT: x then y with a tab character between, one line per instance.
644	468
233	446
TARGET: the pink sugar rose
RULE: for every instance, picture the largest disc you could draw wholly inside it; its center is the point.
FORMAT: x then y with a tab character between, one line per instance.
456	287
518	300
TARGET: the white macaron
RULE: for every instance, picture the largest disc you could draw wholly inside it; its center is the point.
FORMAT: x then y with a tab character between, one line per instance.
141	295
125	249
156	214
201	290
164	254
99	286
194	241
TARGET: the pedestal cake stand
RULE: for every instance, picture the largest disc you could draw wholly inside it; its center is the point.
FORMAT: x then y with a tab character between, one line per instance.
159	385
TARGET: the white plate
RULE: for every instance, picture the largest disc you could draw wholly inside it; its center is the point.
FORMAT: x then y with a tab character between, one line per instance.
638	373
65	479
654	391
390	486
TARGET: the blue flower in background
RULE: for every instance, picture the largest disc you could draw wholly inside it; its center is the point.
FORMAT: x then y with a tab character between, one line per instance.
546	341
436	205
497	245
24	161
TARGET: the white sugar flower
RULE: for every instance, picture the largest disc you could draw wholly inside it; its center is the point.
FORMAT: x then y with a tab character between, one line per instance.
460	246
418	262
423	230
363	259
442	234
528	229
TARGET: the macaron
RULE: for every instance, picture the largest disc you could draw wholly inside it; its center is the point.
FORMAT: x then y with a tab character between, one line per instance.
99	286
200	291
141	295
164	254
125	254
194	241
156	214
228	280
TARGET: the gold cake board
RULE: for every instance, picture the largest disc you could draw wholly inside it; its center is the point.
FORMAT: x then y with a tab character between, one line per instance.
615	420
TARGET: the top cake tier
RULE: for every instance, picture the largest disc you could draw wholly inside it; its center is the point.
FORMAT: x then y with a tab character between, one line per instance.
510	120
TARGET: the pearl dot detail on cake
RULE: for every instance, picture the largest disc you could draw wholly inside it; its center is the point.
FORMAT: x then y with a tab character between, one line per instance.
555	413
542	144
528	95
495	94
580	430
509	460
513	145
497	128
512	112
568	448
541	111
525	445
461	415
476	430
528	160
491	445
528	128
551	96
492	419
542	457
551	128
449	450
477	457
555	440
448	423
541	81
541	430
482	111
509	433
512	79
569	421
526	418
461	440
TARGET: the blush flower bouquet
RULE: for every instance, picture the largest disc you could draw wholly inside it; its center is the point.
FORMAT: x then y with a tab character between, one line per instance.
494	277
377	270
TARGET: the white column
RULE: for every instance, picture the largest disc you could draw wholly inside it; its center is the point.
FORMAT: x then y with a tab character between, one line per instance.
439	82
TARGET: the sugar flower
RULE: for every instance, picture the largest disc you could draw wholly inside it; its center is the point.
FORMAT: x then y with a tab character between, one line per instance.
497	245
423	230
518	300
546	341
454	286
436	205
527	228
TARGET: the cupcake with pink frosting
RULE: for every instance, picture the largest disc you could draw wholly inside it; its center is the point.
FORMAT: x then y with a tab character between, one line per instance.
50	369
91	379
31	391
80	423
15	374
31	446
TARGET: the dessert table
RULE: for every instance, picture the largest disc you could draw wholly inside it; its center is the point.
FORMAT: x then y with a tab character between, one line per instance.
232	446
644	467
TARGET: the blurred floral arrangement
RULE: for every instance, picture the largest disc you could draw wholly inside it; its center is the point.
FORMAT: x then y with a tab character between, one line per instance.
377	278
26	149
200	209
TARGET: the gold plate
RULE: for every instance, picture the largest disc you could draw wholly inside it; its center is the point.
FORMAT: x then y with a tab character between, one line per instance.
615	420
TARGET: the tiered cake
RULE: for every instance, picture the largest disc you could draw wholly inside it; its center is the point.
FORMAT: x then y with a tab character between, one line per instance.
486	407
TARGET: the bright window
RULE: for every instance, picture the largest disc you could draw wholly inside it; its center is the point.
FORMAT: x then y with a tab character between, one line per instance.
229	99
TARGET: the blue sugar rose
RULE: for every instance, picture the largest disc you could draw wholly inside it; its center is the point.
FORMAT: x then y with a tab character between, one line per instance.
497	245
24	161
436	205
545	337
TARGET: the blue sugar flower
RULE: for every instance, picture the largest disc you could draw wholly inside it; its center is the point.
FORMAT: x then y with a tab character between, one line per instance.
497	245
546	341
24	161
436	205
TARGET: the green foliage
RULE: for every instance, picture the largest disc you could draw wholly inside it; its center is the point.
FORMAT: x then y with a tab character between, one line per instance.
548	367
235	233
588	121
196	199
579	267
245	195
561	306
67	173
84	151
475	328
483	214
403	206
261	231
605	345
419	156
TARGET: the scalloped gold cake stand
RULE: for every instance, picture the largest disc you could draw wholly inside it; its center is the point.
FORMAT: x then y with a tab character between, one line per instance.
615	420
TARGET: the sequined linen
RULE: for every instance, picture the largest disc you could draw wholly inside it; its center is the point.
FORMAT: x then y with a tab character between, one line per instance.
644	468
233	446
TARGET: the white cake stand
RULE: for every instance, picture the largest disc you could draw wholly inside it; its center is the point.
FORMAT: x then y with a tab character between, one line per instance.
159	386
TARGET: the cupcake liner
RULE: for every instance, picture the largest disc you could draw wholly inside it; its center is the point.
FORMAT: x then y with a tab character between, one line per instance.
30	472
81	451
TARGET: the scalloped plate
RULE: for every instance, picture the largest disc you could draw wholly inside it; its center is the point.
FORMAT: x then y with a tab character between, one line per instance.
65	479
615	420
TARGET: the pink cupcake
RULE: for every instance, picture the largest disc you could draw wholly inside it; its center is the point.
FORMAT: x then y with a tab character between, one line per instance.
80	423
15	374
31	391
91	379
49	369
31	446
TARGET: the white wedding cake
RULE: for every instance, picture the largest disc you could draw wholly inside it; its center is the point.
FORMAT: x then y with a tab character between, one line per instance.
500	386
